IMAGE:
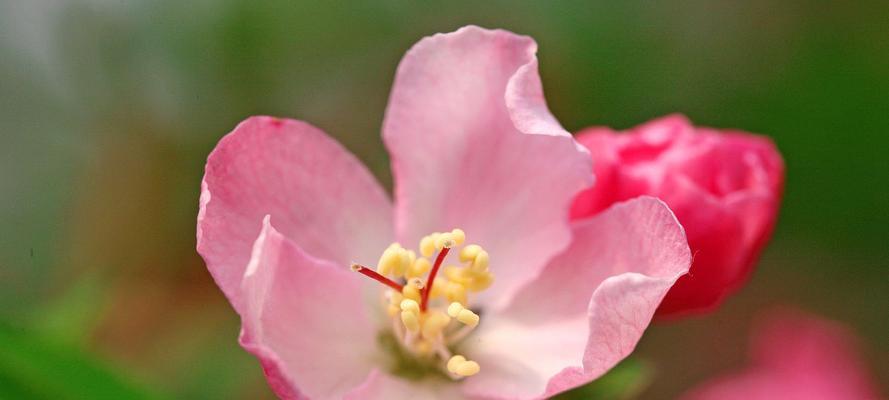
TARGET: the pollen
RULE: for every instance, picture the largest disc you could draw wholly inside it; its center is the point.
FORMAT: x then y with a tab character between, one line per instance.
430	311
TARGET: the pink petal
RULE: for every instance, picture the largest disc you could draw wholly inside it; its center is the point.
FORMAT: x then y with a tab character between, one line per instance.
474	147
318	194
802	358
383	386
724	186
305	319
587	310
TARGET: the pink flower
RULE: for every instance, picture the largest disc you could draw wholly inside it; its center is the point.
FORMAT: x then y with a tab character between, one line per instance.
724	186
285	211
795	357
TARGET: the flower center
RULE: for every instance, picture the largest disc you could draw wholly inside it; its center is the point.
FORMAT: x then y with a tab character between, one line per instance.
430	316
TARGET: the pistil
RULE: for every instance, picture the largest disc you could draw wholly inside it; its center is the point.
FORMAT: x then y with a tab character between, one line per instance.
377	277
424	304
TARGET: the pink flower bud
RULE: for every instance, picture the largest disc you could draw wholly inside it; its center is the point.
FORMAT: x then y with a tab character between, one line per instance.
724	187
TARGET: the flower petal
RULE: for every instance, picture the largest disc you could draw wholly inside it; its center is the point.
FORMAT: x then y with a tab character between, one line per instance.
383	386
474	147
305	320
319	195
588	309
799	356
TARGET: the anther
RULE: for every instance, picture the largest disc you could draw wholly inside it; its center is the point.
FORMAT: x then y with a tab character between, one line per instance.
418	268
459	365
427	246
455	309
468	368
463	314
468	317
445	241
410	321
469	252
455	292
412	292
434	325
410	305
480	282
459	236
455	362
480	263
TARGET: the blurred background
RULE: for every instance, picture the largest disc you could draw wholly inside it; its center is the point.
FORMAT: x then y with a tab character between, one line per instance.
108	110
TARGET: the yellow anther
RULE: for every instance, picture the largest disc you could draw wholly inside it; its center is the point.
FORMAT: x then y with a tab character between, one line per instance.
410	306
405	261
459	236
408	257
445	240
438	318
469	252
457	274
427	246
439	287
454	309
434	324
394	260
410	321
480	263
411	292
455	362
387	262
455	292
480	282
468	368
468	317
461	366
420	267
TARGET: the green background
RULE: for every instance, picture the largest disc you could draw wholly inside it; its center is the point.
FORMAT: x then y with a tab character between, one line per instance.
109	108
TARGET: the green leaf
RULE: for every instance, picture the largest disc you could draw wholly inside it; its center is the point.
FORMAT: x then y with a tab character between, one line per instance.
32	368
624	381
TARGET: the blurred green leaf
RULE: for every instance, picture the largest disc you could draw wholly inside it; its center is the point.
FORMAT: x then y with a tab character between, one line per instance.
624	381
31	368
71	317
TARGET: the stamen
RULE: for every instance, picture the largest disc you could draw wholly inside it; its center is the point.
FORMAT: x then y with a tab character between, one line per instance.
376	276
459	365
464	315
438	260
410	305
424	330
467	317
461	334
410	321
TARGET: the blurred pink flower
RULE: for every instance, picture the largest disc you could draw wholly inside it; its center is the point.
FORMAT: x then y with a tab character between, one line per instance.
795	357
285	210
724	186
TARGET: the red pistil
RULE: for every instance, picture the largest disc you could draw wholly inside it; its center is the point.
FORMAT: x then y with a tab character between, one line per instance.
377	277
424	299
